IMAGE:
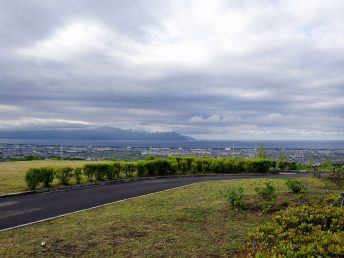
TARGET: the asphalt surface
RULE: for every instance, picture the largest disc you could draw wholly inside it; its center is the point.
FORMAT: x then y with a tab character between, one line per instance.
20	210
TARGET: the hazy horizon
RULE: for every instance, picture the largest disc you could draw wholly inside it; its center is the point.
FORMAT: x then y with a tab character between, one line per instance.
212	70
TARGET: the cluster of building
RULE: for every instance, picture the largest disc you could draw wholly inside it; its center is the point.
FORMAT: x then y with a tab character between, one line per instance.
31	151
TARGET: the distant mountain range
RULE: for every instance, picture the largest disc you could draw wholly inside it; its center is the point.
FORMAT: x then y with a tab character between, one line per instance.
101	133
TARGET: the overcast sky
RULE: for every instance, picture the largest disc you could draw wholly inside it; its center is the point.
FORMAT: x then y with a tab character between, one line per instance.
237	69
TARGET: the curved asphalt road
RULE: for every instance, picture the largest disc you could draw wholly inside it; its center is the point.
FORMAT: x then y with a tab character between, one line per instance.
16	211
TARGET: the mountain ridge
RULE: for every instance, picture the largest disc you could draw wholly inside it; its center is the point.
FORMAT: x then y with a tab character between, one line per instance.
100	133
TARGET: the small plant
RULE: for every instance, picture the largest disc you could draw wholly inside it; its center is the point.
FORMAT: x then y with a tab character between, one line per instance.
295	186
234	197
267	193
77	175
64	175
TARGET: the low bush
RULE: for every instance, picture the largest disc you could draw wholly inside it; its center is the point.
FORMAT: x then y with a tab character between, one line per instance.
336	177
300	232
77	174
47	176
129	168
113	170
64	175
267	194
258	165
36	176
33	178
101	171
234	197
90	171
295	186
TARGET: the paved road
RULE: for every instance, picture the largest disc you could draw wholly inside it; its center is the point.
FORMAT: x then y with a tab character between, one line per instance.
19	210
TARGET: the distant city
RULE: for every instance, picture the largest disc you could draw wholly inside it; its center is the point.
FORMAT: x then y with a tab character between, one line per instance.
32	151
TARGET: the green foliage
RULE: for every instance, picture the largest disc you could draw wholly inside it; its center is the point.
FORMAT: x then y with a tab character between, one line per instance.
64	175
47	176
234	197
90	171
267	194
129	168
101	171
114	170
36	176
261	152
295	186
327	165
258	165
287	165
33	178
300	232
336	177
77	174
150	157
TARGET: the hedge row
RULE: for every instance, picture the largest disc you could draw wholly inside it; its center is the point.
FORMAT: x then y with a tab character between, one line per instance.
152	167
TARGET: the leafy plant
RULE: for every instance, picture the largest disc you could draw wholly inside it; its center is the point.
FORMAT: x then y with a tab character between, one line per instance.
129	168
295	186
47	176
77	175
234	197
64	175
267	193
36	176
303	231
33	178
336	177
89	171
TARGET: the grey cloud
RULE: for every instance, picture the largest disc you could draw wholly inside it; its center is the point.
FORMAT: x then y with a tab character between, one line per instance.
210	69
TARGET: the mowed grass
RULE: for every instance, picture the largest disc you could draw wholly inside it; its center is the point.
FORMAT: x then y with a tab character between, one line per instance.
12	174
192	221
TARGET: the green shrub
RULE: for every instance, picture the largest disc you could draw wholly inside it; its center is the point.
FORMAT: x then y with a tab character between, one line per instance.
300	232
234	197
36	176
267	194
32	178
217	165
64	175
113	171
101	171
163	167
295	186
47	176
90	171
336	177
141	168
258	165
77	175
128	168
150	157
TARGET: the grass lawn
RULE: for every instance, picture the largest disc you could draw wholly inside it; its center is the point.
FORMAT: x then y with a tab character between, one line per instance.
192	221
12	173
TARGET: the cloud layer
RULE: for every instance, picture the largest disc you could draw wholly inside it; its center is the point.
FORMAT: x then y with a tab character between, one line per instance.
209	69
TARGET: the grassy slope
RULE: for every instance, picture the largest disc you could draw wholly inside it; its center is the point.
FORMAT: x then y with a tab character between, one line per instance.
12	173
187	222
